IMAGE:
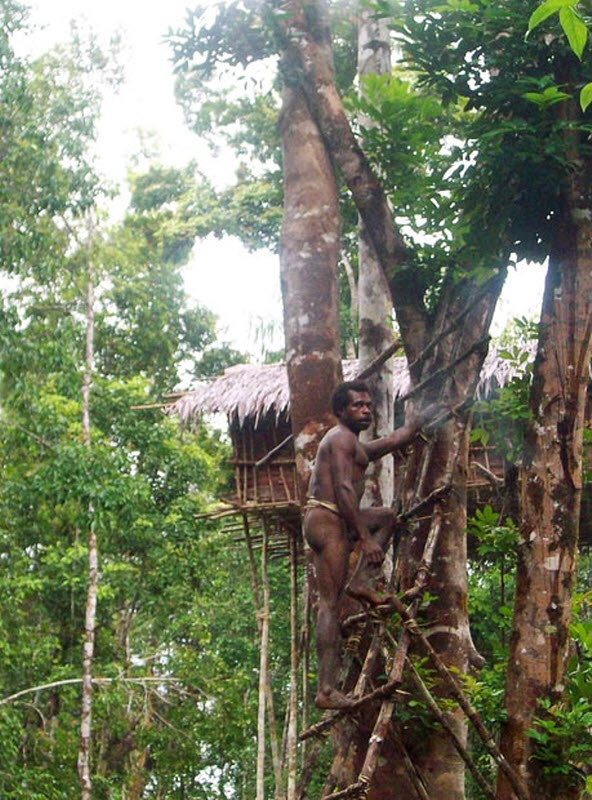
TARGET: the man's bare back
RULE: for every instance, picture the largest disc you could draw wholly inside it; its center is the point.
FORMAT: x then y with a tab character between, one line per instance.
333	522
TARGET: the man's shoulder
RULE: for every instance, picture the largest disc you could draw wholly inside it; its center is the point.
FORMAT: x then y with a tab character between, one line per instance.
338	436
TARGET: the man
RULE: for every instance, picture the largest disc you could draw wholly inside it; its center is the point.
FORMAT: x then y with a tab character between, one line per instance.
333	522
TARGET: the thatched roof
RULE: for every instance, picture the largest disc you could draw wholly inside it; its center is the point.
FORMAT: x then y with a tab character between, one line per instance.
253	390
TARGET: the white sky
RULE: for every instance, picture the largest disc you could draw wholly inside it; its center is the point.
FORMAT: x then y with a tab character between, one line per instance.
241	288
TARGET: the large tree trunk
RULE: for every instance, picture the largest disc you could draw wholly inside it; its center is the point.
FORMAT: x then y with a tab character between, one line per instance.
309	250
375	304
551	487
307	51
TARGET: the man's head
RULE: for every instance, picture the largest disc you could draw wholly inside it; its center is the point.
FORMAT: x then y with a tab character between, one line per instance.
352	405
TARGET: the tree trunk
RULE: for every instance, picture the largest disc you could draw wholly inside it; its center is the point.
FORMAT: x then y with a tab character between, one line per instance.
84	772
309	249
375	304
307	52
446	619
551	489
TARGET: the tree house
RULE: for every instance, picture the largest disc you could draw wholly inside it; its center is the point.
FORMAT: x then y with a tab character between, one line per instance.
255	400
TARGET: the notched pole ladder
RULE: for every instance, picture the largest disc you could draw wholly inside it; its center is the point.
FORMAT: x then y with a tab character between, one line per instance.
390	693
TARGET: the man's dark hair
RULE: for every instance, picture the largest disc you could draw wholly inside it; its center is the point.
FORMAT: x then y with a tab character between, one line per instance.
340	397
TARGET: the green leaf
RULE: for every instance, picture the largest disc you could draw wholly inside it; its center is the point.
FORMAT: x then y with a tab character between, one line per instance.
550	96
575	29
586	96
534	97
545	10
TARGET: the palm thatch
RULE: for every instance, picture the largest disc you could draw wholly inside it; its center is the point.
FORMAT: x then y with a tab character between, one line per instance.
251	391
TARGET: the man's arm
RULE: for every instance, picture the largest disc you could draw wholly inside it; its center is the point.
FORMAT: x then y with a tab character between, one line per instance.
394	441
405	434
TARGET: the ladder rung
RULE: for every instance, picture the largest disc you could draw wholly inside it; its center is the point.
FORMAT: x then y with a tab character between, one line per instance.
386	690
357	789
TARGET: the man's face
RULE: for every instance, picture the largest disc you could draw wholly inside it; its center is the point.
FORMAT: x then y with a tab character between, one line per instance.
357	415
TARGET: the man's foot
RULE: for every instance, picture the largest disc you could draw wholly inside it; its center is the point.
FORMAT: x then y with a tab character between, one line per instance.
332	698
365	594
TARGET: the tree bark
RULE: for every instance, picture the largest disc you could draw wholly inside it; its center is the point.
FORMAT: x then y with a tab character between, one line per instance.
309	250
552	486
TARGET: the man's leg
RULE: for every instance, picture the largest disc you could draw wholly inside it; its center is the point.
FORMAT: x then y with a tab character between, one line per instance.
380	522
326	535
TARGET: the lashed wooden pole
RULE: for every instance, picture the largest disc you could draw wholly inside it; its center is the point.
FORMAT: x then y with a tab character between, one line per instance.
263	659
292	744
275	757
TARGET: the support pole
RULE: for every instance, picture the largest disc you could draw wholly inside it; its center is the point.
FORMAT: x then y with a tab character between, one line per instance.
293	724
275	757
263	658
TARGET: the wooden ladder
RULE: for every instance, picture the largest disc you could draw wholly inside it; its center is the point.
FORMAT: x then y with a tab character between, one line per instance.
380	641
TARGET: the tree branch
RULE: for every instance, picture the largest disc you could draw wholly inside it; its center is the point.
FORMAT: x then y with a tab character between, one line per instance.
444	371
98	681
375	365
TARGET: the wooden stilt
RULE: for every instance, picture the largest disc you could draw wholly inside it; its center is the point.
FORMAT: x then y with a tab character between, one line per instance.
277	771
263	658
293	726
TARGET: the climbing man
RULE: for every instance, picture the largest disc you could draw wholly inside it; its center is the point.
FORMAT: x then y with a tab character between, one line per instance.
334	522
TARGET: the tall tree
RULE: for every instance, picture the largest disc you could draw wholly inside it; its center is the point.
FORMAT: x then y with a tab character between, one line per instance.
90	613
308	261
374	303
552	479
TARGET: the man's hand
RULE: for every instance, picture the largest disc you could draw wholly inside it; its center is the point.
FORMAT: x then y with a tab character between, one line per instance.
372	550
430	414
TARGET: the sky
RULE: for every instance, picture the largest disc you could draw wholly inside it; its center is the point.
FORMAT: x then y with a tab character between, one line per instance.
240	287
